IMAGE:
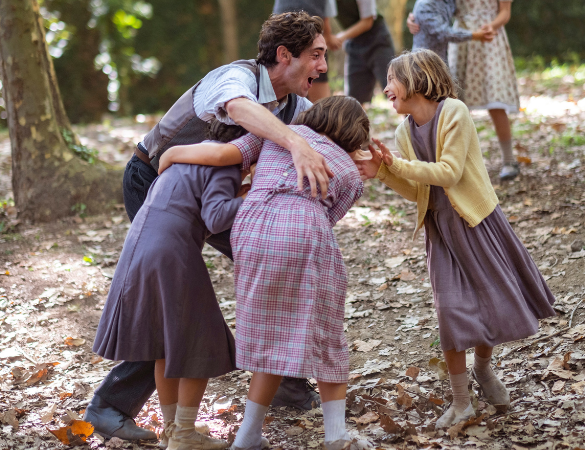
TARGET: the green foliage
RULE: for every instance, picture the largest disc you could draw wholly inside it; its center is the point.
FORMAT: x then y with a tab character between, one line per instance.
83	152
568	139
540	31
548	28
186	39
79	209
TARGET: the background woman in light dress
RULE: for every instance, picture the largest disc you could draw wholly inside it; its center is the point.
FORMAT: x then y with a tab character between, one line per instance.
485	70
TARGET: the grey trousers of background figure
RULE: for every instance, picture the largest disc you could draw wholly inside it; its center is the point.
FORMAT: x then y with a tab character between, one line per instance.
129	385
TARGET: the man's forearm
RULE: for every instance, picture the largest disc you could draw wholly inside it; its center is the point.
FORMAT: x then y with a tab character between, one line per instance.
259	121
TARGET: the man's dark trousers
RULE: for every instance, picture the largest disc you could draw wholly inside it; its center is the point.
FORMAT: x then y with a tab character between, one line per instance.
129	385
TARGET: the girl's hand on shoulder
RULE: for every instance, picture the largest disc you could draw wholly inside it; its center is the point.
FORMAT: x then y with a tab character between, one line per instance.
368	168
386	155
165	161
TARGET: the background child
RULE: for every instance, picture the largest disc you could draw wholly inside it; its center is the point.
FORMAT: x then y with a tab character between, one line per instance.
486	288
161	305
486	73
434	18
289	273
368	47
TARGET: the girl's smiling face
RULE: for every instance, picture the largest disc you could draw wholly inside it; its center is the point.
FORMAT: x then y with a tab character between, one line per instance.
396	93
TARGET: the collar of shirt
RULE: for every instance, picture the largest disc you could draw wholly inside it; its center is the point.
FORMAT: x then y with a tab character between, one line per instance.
266	94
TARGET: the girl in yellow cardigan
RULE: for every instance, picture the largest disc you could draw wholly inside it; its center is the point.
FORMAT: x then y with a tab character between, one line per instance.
486	288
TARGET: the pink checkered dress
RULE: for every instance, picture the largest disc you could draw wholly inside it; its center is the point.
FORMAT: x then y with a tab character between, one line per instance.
289	273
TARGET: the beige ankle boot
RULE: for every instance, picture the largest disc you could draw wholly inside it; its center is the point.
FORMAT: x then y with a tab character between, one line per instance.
201	427
191	439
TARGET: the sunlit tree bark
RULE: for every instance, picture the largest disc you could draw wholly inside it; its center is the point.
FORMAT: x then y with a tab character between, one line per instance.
48	175
395	14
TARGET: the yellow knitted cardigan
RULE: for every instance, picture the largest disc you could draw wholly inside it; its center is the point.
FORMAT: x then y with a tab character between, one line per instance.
459	168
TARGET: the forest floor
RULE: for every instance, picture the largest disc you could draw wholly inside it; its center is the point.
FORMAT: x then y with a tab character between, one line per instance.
54	281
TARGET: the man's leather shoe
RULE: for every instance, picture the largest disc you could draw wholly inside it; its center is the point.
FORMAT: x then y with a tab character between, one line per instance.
296	392
109	422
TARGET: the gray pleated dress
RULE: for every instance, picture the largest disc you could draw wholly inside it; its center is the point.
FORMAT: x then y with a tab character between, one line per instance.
161	302
487	289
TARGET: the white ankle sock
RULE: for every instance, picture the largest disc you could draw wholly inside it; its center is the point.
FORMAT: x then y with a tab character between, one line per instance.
250	433
186	416
507	154
169	412
334	418
460	392
482	368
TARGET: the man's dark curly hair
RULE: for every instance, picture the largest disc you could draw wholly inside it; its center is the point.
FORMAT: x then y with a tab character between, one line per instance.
295	30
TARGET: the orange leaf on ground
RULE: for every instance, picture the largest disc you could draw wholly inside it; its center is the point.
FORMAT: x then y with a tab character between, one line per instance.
37	376
64	395
74	342
74	434
435	400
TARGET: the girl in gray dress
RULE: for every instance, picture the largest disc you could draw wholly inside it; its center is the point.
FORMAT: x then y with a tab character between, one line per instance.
161	305
486	287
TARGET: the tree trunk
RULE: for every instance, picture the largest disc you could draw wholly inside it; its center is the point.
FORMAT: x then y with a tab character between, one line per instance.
395	13
48	178
229	26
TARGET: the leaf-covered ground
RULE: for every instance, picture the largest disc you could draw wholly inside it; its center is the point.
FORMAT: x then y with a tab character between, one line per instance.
54	281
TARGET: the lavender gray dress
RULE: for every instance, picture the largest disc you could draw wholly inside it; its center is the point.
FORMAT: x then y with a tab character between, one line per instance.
161	303
486	287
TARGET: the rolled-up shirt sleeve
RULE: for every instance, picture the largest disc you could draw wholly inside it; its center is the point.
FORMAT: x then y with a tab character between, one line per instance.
367	8
216	90
250	146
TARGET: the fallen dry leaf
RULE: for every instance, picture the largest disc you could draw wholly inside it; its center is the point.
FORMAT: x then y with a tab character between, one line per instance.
389	426
403	398
96	359
440	368
9	418
48	416
407	275
367	418
455	430
74	434
363	346
578	388
115	443
412	372
435	400
294	431
558	387
74	342
37	376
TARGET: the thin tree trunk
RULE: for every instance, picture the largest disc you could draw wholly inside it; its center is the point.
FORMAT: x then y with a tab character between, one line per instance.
396	18
229	26
48	178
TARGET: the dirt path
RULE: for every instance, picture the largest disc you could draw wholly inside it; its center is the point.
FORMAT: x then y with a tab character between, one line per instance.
54	281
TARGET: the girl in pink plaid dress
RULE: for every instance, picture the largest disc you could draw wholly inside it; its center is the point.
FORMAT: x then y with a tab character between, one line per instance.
289	273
